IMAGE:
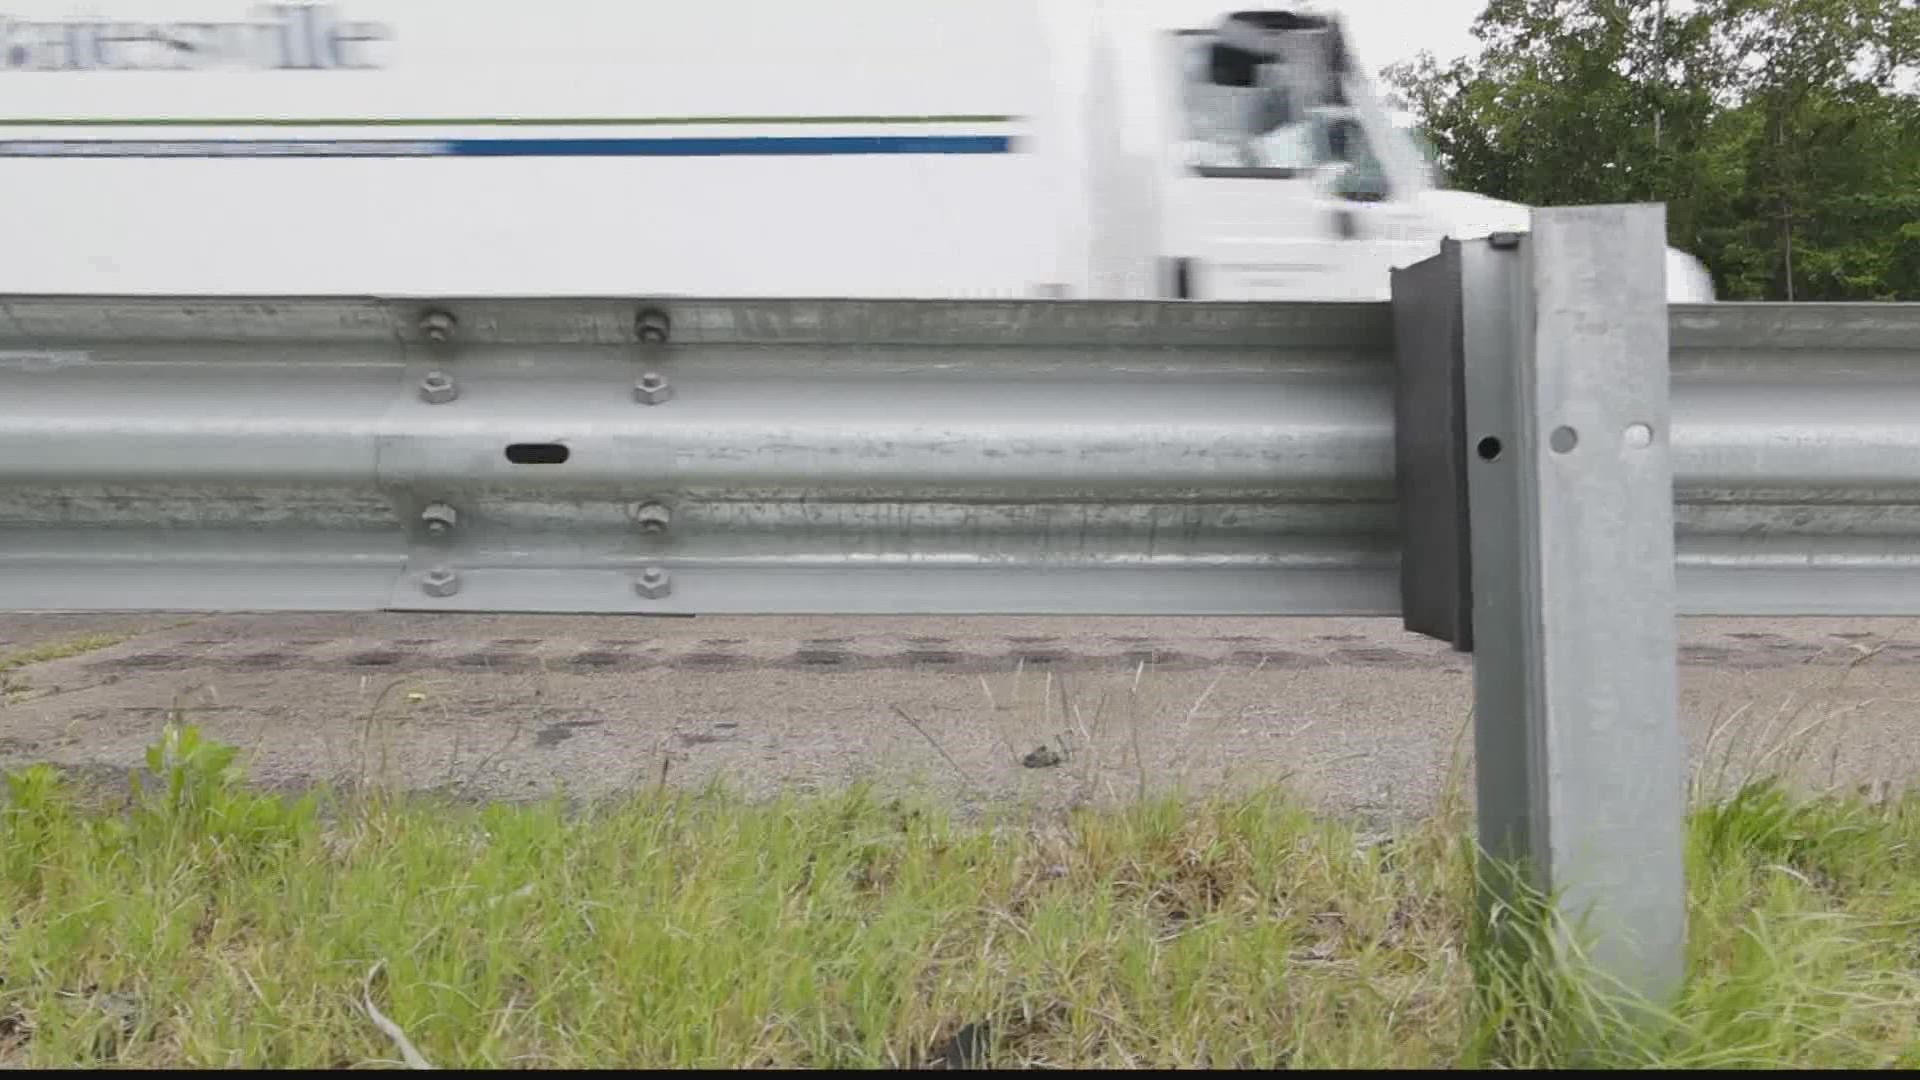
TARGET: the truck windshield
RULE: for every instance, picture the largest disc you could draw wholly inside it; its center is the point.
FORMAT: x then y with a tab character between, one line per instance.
1275	113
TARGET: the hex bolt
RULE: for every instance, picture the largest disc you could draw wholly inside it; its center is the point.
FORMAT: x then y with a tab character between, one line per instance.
653	326
653	583
440	518
437	325
652	389
438	388
440	581
1504	241
653	517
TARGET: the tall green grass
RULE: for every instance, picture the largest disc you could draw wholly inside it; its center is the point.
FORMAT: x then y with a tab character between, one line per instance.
199	922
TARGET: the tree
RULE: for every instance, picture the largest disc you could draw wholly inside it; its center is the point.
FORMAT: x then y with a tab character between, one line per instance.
1783	135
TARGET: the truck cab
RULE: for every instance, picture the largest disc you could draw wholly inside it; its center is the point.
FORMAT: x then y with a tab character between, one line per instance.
1286	178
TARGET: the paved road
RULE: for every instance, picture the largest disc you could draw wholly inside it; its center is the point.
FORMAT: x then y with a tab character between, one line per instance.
1358	716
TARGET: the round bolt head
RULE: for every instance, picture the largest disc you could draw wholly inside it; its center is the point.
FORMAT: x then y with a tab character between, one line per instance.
1504	241
438	388
437	325
440	518
653	326
652	517
652	389
653	583
440	581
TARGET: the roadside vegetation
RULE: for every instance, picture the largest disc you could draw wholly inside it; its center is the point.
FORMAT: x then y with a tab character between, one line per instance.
1782	135
195	920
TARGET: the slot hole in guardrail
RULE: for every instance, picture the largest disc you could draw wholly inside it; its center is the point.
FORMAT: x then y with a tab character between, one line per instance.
537	453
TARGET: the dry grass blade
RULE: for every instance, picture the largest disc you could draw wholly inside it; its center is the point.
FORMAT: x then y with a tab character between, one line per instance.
938	749
1133	729
408	1052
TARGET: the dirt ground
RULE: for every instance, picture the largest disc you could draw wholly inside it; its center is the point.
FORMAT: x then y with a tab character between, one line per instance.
1354	714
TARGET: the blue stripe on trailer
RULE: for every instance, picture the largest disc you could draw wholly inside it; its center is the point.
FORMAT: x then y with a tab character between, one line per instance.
734	146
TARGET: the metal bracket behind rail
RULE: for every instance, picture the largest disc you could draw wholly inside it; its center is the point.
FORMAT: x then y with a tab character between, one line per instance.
1429	449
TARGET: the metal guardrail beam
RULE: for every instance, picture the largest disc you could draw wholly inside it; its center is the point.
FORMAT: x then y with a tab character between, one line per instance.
840	456
798	457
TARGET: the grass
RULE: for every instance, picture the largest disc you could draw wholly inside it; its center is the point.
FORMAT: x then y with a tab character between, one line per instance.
59	649
197	921
12	683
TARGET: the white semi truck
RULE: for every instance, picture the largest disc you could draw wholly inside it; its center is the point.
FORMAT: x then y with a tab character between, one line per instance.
833	148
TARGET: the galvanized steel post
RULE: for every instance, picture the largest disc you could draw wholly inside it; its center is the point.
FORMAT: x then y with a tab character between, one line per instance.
1561	342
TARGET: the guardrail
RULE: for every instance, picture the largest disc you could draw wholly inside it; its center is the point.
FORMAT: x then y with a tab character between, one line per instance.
800	456
1527	453
863	457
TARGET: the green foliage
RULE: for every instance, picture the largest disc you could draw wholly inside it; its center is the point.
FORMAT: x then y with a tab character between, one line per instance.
193	791
207	924
193	772
1783	135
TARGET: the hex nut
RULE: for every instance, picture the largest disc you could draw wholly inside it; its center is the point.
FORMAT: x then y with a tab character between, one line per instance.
653	326
437	325
440	581
652	389
652	517
438	388
653	583
1504	241
440	518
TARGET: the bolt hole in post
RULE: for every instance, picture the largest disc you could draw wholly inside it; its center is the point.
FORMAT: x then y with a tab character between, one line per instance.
1489	449
1563	440
538	454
